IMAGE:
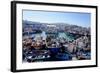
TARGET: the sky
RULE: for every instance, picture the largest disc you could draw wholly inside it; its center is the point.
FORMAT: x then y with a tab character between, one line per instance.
74	18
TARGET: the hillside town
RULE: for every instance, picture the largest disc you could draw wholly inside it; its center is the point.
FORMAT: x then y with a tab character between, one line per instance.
55	42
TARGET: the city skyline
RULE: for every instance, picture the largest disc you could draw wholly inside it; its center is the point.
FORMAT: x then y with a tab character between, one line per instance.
73	18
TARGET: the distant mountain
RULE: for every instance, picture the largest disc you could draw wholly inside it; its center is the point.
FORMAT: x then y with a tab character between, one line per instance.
54	27
30	22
